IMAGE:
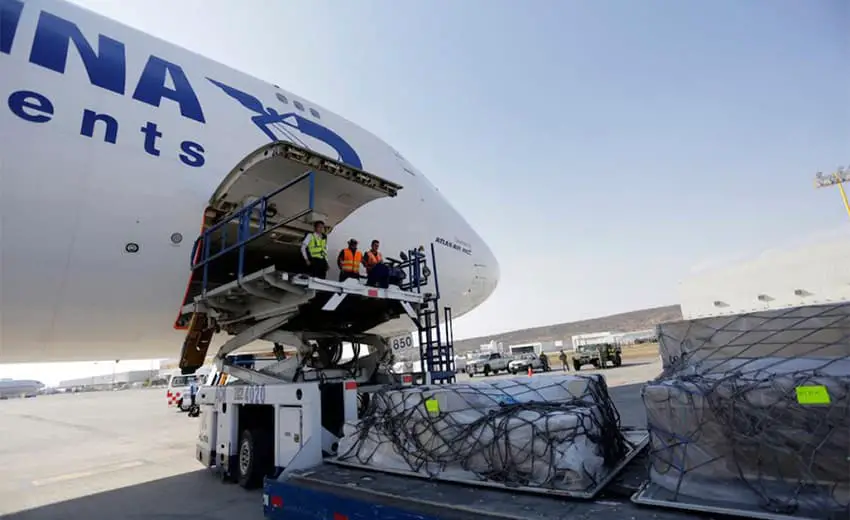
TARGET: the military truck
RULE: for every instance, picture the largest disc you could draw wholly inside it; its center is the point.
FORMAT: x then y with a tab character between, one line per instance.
598	355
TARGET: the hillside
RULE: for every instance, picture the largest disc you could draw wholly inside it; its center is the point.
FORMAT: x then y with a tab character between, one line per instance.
625	322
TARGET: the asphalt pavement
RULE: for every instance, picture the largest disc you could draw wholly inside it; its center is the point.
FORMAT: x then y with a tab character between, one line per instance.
125	454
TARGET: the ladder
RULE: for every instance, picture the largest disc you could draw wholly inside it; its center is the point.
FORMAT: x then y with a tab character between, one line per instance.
436	340
196	344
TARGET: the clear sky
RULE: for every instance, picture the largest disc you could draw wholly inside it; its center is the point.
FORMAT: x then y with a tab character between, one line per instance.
604	149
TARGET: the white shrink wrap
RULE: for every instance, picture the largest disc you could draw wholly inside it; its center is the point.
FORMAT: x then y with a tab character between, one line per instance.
754	411
556	432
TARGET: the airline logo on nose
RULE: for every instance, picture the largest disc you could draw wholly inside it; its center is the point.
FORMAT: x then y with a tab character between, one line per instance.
286	127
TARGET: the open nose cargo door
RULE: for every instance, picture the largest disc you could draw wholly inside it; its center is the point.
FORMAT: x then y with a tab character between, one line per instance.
259	215
337	189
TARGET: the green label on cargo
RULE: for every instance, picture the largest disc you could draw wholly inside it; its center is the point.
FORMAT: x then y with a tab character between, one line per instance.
812	394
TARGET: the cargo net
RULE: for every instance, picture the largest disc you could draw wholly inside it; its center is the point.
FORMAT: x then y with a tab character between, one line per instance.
548	432
754	410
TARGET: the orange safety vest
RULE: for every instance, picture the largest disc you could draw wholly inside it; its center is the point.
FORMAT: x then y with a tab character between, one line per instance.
351	262
372	259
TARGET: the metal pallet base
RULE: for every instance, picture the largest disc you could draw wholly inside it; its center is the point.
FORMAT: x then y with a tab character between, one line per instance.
638	439
654	495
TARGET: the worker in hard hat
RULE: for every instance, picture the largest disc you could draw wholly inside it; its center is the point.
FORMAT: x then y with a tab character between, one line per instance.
349	261
314	250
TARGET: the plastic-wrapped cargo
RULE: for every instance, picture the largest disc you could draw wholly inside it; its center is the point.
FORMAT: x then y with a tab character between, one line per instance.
554	432
753	411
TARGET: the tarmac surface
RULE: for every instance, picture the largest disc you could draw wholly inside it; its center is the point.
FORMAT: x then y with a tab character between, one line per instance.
125	454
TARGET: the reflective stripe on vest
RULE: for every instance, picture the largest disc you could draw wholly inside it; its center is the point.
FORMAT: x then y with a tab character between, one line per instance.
373	259
351	262
318	247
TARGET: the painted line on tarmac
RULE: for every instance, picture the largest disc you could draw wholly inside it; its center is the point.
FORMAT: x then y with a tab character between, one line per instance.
90	473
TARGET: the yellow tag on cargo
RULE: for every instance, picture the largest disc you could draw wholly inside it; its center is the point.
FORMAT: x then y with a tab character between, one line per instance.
815	394
432	406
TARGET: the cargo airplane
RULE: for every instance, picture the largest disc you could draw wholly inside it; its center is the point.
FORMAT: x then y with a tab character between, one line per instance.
119	147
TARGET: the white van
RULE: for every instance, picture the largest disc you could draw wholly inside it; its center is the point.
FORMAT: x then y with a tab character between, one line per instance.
178	394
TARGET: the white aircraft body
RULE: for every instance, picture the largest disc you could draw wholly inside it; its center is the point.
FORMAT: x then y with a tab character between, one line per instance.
114	144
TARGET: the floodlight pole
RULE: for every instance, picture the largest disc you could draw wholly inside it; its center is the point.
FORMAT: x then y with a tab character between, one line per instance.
836	178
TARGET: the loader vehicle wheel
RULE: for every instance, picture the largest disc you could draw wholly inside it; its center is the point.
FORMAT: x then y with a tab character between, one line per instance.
255	459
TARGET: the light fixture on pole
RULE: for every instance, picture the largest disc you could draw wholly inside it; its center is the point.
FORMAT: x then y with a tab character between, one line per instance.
836	178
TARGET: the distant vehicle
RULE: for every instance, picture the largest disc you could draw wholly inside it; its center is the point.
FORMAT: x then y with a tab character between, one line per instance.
460	364
19	388
487	363
523	361
598	355
415	366
178	390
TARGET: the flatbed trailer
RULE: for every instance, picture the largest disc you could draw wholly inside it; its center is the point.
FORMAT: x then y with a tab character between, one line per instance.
332	492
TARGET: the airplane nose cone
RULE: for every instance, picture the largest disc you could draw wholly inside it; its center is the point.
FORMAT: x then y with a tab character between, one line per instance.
494	272
487	272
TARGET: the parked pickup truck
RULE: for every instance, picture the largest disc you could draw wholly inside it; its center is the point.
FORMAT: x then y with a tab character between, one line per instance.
523	362
487	364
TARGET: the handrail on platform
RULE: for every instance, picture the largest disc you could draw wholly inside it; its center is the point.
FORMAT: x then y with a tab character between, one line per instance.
244	235
417	271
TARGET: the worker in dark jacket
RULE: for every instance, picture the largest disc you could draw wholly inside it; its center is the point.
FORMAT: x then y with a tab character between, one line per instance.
193	390
544	361
565	367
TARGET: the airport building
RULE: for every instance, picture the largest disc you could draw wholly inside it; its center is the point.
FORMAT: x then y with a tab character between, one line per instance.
492	346
537	347
810	275
106	381
591	338
636	336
